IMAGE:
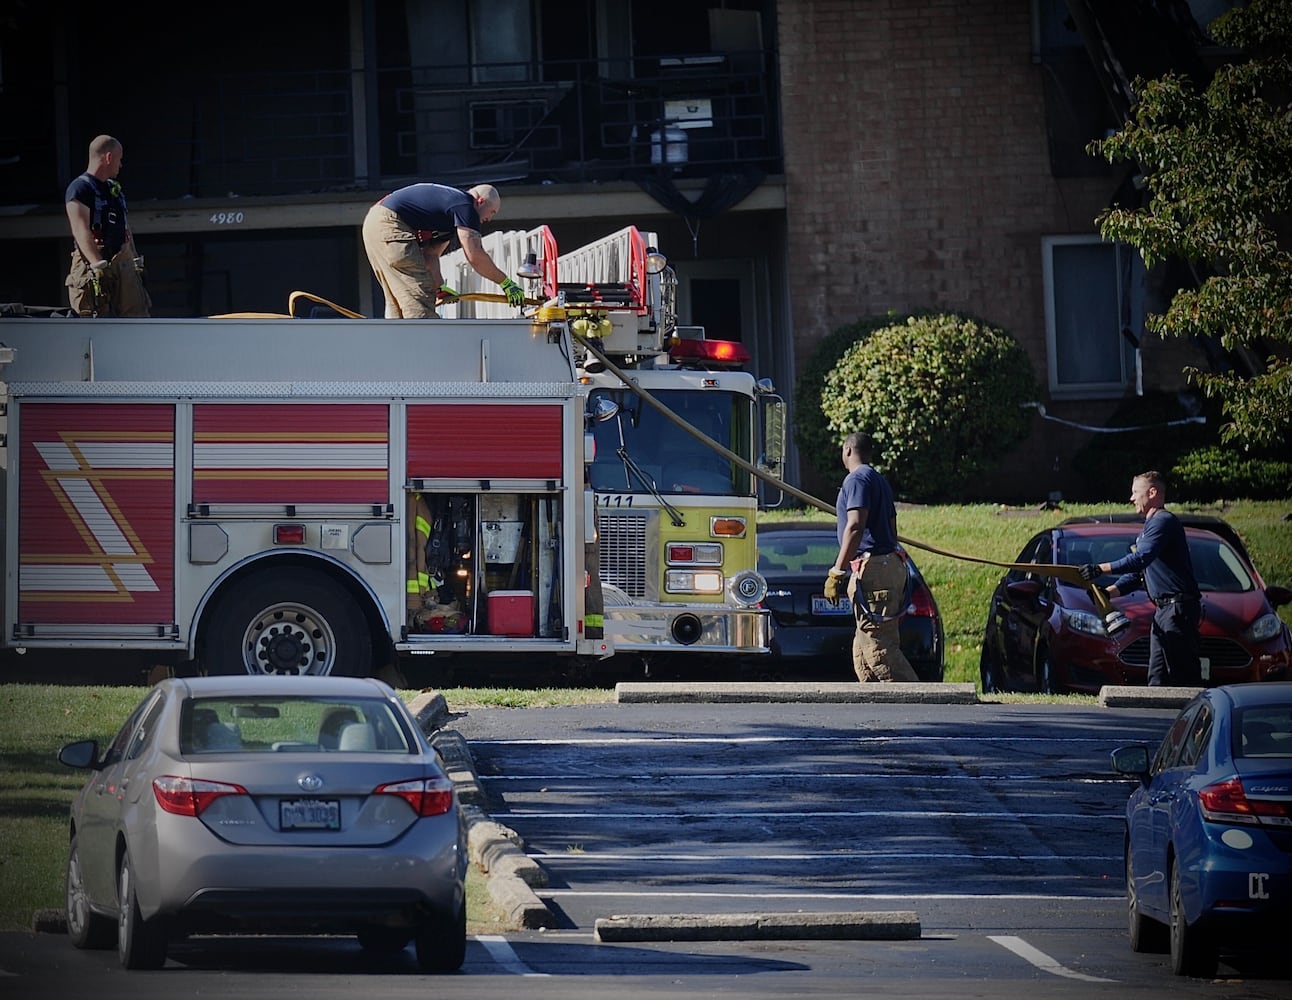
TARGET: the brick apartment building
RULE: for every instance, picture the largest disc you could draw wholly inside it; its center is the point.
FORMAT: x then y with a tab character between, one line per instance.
831	160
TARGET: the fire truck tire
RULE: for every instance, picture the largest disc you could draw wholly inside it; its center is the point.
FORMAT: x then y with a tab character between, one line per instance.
288	621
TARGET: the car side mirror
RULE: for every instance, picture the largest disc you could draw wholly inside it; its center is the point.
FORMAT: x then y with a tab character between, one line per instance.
1278	596
1028	590
83	755
1131	760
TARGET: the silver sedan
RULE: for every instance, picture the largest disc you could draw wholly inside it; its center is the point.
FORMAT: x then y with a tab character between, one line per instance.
256	804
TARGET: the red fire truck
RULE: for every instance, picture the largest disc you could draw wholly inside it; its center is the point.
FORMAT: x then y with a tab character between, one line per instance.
321	494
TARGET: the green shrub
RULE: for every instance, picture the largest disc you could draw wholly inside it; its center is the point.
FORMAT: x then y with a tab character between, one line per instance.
942	395
817	443
1219	472
1197	467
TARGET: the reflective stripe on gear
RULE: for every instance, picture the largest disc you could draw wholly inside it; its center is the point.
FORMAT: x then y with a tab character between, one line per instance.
417	580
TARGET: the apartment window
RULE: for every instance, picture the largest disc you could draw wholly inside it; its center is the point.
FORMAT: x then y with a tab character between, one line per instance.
1094	315
501	40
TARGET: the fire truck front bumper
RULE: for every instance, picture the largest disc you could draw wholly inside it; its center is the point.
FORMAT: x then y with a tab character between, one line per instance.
698	628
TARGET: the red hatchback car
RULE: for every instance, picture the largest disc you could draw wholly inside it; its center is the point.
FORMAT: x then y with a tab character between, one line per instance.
1045	635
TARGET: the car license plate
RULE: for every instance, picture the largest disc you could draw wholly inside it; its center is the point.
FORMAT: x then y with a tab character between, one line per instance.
309	814
1205	663
822	606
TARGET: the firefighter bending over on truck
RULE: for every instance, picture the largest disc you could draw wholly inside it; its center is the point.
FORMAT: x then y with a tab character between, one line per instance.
107	275
406	233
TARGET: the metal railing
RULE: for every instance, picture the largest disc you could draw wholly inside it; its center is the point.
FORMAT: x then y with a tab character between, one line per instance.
581	122
285	133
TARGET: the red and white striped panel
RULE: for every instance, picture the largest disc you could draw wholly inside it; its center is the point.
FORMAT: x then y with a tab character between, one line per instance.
96	513
291	453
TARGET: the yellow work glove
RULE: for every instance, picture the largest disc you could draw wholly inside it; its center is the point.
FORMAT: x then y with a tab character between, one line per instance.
98	271
515	294
836	586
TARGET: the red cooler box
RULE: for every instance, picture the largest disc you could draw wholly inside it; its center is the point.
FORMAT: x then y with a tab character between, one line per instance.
511	612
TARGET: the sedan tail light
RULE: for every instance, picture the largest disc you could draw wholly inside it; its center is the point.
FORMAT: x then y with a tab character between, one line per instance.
1227	802
190	796
427	796
922	603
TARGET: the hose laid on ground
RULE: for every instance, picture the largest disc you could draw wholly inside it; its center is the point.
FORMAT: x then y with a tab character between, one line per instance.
1068	574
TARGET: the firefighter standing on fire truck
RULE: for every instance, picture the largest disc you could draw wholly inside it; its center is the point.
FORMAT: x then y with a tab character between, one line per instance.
107	274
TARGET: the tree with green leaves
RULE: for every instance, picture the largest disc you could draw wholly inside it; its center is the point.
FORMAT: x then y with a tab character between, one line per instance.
1216	168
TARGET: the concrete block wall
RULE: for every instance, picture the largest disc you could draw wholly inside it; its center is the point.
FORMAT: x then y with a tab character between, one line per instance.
918	176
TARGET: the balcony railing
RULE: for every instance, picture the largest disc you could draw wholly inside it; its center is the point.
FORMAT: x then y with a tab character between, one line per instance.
580	122
292	133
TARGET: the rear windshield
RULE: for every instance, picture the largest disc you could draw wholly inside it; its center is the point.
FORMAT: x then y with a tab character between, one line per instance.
797	552
1264	731
222	725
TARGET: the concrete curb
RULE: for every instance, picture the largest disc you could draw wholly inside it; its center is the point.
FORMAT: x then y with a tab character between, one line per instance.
497	849
901	925
459	766
49	922
430	710
789	692
1146	697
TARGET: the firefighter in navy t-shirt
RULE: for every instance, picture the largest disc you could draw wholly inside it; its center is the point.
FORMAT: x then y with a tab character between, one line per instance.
406	233
106	276
867	531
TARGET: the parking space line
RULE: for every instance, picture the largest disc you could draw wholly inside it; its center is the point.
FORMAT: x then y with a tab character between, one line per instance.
512	816
583	857
841	896
1041	960
503	954
586	777
729	740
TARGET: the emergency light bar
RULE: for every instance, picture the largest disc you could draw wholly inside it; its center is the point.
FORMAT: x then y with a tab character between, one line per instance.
717	352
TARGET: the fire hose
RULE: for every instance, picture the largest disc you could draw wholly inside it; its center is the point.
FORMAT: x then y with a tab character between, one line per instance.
1113	619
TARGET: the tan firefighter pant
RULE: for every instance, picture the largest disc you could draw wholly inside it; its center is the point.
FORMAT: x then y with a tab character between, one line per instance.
399	265
876	590
121	287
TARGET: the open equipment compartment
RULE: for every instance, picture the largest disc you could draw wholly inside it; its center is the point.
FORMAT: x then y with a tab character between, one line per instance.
484	563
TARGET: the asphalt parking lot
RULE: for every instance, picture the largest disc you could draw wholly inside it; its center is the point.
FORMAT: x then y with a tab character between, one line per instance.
517	879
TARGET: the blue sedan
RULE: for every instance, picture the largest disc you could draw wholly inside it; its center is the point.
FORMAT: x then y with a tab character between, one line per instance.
1209	828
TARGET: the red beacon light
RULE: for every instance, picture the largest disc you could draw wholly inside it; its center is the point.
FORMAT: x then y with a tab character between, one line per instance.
728	353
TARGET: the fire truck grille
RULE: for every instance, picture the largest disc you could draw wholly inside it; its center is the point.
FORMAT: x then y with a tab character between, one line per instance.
623	551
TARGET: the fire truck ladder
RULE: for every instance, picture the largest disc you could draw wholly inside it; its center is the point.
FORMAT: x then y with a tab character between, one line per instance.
609	273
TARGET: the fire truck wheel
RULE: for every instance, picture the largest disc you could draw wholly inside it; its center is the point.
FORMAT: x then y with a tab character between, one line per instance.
288	621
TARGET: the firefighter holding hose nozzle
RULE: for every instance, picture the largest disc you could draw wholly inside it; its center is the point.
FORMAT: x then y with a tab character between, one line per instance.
1161	554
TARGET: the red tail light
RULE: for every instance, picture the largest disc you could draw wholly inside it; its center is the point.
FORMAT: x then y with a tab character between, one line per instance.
1227	802
428	797
189	797
922	603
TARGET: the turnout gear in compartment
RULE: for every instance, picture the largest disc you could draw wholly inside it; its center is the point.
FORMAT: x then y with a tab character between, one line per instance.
439	538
